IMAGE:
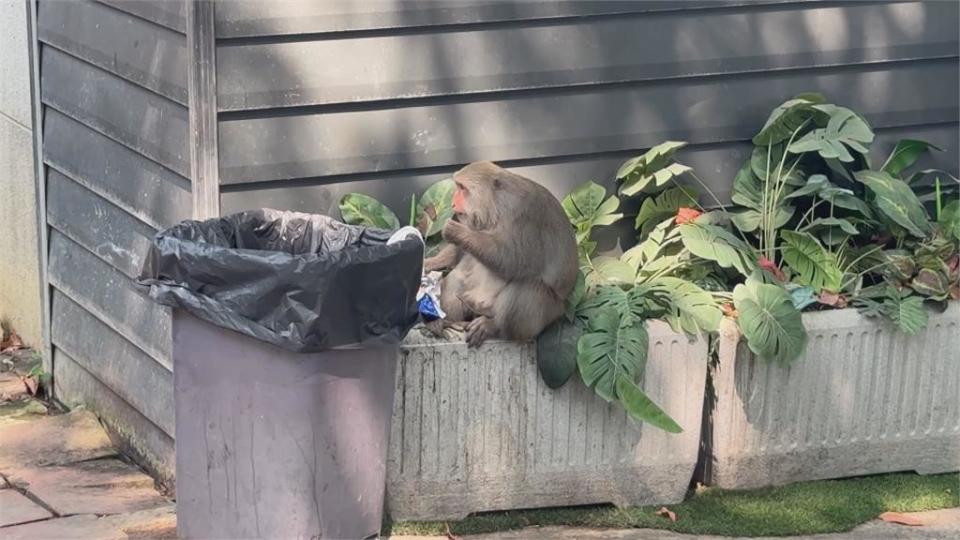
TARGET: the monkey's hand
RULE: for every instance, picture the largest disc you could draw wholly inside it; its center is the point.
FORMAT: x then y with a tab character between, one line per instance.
479	330
454	231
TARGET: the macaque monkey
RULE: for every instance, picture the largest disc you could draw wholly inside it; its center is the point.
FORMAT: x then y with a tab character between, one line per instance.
512	253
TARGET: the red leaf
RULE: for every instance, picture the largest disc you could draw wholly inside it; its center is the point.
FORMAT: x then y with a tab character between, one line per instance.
667	513
836	300
902	519
685	215
31	385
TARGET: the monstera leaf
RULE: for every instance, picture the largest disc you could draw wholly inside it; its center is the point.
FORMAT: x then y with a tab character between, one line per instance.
689	308
610	270
435	207
557	352
765	165
586	208
656	166
657	251
641	408
846	129
814	265
769	321
786	118
360	209
665	205
718	245
905	155
573	300
896	201
613	346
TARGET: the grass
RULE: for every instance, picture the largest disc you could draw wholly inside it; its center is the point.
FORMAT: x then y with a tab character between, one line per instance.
806	508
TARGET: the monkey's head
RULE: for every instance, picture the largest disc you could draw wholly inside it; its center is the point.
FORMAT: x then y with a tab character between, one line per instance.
475	201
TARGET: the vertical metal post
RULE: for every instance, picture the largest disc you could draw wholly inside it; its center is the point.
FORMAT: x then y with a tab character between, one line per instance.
39	178
202	83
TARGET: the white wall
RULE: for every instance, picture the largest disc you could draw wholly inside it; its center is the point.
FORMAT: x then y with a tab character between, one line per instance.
20	298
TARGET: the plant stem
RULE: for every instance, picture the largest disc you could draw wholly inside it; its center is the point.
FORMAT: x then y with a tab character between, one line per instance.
936	185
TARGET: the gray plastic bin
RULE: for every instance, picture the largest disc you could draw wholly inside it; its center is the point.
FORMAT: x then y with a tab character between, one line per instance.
277	444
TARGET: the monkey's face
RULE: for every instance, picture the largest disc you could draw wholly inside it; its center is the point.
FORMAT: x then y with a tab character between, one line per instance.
460	199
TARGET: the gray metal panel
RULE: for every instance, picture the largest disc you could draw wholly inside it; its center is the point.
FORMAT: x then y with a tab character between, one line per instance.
139	437
111	296
606	50
141	120
169	13
715	164
143	188
569	123
141	52
98	225
237	18
114	361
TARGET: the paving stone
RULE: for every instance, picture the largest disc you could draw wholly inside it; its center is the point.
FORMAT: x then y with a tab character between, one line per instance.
16	508
53	440
158	523
102	486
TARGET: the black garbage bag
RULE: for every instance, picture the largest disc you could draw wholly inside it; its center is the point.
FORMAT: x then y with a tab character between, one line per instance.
303	282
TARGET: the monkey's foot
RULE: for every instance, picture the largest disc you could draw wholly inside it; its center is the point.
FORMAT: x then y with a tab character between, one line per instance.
479	330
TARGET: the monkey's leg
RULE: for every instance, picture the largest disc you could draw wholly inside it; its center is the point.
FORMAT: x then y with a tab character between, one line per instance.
524	309
446	258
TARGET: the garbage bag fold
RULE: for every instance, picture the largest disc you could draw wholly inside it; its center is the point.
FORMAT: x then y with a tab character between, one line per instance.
303	282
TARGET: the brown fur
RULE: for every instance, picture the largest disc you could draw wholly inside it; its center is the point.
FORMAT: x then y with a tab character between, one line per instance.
512	253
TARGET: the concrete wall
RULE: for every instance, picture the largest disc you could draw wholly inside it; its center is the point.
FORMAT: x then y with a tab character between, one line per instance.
20	298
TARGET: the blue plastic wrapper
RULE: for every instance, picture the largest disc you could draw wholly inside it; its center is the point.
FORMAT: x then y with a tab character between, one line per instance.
428	309
428	297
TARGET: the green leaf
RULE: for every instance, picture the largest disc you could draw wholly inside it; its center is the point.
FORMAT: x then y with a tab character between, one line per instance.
749	220
611	270
899	264
845	129
829	222
573	300
614	346
586	208
360	209
718	245
932	283
906	154
905	310
790	174
641	408
772	325
604	297
658	250
655	166
815	266
786	118
665	205
435	207
557	352
814	185
690	308
801	296
950	218
895	199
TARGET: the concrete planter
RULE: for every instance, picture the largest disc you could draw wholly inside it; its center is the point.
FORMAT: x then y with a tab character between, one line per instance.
477	430
863	399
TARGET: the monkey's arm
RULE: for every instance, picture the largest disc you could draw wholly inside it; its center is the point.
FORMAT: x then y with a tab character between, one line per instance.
495	255
446	258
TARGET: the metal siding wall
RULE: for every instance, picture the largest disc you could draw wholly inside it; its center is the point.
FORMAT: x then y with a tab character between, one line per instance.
113	89
319	99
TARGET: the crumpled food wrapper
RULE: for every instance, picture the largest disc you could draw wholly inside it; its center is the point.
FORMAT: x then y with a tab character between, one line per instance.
428	297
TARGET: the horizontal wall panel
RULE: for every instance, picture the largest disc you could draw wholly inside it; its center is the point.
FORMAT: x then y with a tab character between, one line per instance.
169	13
145	189
98	225
619	118
139	437
111	296
716	165
144	53
141	120
114	361
606	50
238	18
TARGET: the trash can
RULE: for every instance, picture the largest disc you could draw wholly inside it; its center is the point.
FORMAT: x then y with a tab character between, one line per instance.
286	328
